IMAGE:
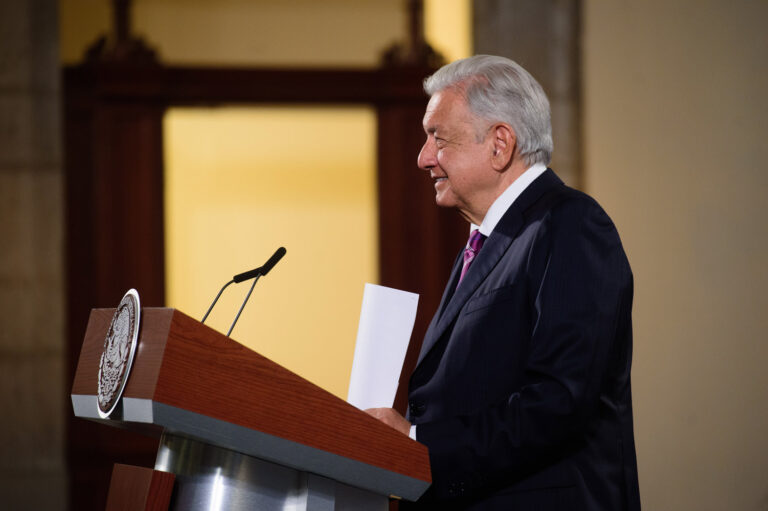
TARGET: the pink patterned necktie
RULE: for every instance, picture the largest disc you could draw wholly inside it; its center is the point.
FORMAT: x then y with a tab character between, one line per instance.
476	240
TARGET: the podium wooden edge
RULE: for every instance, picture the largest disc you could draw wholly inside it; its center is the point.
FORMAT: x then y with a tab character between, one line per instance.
261	445
139	489
157	398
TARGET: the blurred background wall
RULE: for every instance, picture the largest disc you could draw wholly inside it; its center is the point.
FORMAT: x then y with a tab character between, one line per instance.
670	116
33	392
675	118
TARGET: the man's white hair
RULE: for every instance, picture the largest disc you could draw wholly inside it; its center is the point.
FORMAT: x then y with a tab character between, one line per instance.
498	89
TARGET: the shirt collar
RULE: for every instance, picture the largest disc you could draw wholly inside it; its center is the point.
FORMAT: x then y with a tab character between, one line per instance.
507	197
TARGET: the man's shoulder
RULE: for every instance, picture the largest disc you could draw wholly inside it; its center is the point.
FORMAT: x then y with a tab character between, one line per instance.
557	197
562	210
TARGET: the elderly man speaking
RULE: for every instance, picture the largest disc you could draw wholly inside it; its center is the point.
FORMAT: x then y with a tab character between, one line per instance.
522	387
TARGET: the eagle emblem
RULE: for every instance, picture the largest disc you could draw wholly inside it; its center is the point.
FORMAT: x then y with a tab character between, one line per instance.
117	356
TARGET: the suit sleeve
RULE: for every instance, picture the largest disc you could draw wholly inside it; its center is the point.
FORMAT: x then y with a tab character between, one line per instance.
579	283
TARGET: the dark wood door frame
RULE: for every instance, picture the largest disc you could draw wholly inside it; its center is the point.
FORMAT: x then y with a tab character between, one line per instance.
114	201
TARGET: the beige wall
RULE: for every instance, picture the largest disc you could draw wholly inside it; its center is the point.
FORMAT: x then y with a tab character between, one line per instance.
675	118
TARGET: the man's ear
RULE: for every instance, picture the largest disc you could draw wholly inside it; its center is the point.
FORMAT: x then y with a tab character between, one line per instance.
504	142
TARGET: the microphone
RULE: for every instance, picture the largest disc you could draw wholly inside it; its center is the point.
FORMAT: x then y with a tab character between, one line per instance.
255	274
261	270
279	253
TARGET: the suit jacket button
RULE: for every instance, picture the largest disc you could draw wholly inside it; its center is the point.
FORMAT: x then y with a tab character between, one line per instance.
416	409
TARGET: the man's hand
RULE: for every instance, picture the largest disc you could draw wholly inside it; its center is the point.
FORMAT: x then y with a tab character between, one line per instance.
392	418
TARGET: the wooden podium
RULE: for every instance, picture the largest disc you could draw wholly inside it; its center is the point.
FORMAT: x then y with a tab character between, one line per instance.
239	431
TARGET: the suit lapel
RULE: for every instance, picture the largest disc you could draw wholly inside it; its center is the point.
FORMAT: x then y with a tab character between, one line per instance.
493	249
447	295
453	281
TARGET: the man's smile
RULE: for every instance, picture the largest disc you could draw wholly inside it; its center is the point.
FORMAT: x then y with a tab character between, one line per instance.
437	179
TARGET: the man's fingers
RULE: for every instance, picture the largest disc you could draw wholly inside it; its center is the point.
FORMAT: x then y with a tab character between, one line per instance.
390	417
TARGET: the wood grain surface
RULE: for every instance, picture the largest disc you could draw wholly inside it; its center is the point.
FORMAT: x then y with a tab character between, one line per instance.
139	489
185	364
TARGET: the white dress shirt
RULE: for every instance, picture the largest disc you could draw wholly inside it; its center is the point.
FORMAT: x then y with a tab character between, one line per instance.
507	197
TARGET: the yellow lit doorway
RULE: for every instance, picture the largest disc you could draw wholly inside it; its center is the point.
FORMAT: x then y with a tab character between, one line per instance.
241	182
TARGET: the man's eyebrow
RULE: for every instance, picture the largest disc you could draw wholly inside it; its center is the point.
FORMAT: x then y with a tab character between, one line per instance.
434	128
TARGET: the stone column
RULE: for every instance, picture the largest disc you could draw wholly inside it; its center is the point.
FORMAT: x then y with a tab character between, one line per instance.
32	387
543	37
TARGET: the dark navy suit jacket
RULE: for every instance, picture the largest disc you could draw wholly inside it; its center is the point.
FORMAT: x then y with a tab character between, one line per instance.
522	389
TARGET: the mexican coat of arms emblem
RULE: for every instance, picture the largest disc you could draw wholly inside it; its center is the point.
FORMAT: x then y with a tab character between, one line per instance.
119	350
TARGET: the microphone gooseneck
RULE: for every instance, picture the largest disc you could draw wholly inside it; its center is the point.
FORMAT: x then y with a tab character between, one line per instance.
243	304
216	300
255	274
261	270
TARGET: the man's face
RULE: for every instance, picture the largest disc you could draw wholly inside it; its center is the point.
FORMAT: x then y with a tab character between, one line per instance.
456	161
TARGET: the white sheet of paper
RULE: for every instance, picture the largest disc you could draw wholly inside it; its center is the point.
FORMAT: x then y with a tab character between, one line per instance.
386	323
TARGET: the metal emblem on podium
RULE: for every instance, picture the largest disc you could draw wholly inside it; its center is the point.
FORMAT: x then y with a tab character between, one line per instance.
119	350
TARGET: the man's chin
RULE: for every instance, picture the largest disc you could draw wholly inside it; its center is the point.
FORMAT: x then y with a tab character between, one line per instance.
443	201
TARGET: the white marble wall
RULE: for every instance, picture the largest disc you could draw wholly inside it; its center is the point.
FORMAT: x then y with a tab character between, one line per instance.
32	387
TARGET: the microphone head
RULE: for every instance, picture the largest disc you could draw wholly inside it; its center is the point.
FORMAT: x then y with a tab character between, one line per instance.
279	253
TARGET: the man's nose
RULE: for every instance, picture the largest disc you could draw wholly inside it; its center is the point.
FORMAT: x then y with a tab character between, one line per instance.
427	156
